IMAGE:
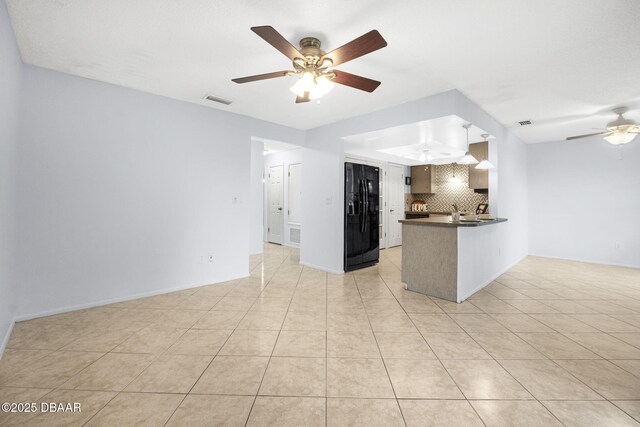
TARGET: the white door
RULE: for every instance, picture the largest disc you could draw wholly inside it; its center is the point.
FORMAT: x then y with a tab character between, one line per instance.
274	200
395	203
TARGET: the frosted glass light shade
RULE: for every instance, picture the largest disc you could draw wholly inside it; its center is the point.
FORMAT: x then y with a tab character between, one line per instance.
467	159
485	164
619	138
317	87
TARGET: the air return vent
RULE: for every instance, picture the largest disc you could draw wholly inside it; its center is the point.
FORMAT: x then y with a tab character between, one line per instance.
524	122
216	99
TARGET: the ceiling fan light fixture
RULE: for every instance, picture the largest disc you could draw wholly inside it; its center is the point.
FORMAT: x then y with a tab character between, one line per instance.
303	84
316	87
620	136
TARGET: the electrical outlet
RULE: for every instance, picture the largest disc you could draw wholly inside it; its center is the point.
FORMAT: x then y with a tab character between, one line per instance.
617	246
499	251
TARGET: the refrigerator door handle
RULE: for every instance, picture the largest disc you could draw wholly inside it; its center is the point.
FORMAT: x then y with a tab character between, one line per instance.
363	213
366	205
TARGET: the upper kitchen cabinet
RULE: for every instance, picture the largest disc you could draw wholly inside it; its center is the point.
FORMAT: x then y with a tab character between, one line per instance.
423	179
479	178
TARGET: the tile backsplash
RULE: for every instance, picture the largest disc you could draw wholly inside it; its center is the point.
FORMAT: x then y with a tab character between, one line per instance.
449	189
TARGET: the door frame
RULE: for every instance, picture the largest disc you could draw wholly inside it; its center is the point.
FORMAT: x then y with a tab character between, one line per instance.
268	204
388	199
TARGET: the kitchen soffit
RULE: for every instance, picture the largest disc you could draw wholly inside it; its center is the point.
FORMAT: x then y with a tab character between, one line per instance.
444	138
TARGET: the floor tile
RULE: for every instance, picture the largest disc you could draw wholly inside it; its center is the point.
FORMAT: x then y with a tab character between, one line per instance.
604	377
263	304
198	410
532	306
484	379
631	407
90	403
112	372
360	344
506	413
606	323
52	370
506	345
262	320
348	322
557	346
606	346
363	412
152	340
170	374
521	323
137	409
589	414
403	345
301	344
240	375
545	380
305	321
427	323
391	322
234	303
478	323
495	306
219	320
288	412
563	323
632	366
357	378
294	376
439	413
203	342
425	379
455	346
250	343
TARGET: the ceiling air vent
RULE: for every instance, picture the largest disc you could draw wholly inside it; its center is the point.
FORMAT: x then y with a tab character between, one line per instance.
524	122
216	99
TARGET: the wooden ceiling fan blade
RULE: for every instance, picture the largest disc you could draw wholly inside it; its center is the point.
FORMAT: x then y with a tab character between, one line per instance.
265	76
589	134
355	81
305	98
356	48
275	39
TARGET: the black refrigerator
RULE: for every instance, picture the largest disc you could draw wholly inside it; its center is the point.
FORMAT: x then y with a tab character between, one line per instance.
361	216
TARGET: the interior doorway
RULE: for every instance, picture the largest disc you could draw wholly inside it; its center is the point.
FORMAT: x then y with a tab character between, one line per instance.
275	217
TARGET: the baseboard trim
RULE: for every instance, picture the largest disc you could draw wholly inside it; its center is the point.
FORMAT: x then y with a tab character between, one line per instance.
494	277
587	261
99	303
328	270
5	340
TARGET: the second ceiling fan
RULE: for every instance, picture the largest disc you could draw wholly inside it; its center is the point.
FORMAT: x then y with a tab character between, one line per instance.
314	66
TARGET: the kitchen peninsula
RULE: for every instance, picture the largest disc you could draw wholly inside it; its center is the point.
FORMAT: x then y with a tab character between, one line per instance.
449	259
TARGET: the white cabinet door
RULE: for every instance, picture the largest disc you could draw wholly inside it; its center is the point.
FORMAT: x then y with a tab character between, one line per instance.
274	200
395	203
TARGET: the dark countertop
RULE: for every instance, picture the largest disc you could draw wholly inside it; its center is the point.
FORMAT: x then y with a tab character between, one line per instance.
432	212
445	221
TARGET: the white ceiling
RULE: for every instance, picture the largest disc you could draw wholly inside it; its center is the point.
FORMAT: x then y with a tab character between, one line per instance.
562	64
444	137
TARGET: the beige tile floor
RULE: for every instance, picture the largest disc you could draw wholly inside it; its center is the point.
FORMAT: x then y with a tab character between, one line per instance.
548	343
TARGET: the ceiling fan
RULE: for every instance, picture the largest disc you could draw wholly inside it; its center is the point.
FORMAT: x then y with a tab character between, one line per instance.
619	131
315	66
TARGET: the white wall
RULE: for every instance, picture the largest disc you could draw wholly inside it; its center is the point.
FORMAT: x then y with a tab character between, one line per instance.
123	193
256	198
10	95
285	158
508	191
583	199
